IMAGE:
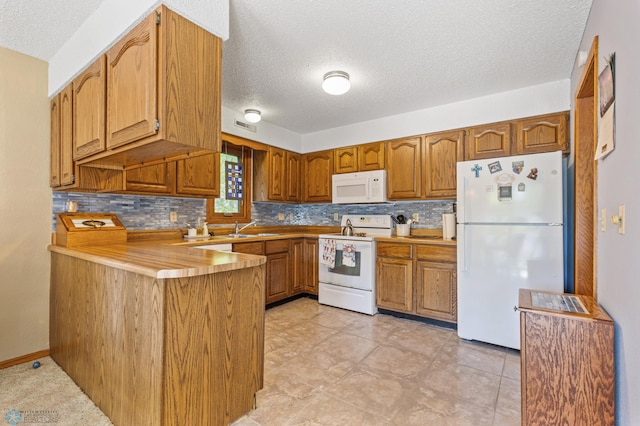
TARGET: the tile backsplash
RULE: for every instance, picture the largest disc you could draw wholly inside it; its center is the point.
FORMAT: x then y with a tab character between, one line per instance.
138	212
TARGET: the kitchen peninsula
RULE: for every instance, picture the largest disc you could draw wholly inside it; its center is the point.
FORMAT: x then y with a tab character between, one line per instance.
160	334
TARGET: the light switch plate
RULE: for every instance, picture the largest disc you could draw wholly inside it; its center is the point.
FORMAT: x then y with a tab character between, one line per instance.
173	216
280	216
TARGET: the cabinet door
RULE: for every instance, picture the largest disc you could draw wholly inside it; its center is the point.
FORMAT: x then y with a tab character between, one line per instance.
277	165
297	265
132	85
394	284
404	168
89	110
66	137
277	279
311	266
317	168
293	181
199	175
54	159
345	160
436	290
542	134
256	247
442	152
371	156
488	141
158	178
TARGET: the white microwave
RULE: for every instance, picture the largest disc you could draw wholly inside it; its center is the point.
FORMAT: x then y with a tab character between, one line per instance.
359	187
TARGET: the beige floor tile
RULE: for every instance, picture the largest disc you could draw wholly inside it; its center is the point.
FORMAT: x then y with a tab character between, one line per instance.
465	383
458	351
509	397
419	337
279	401
379	393
244	421
326	410
502	420
397	361
512	366
337	319
314	367
428	407
344	346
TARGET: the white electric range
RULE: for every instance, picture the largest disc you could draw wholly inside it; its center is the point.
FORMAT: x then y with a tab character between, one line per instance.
346	270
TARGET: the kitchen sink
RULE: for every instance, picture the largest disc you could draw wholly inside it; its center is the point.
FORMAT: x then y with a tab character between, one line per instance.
239	235
266	234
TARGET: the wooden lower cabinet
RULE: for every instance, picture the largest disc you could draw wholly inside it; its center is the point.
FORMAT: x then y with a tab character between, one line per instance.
297	265
436	290
417	279
310	284
159	351
567	365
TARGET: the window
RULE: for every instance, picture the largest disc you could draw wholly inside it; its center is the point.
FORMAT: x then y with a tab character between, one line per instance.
223	210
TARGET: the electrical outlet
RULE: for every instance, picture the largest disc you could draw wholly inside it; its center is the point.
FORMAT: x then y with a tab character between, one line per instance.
173	216
290	216
415	217
336	217
280	216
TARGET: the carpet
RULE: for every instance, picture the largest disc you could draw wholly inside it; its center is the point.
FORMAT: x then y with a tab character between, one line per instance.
45	395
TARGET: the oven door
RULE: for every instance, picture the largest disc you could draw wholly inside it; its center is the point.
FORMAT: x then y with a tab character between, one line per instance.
347	263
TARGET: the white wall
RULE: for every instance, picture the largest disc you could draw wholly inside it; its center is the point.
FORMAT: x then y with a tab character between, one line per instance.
616	24
265	132
528	101
25	205
113	19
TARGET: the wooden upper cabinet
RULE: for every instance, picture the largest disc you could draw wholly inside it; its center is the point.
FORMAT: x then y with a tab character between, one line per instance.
67	176
163	87
404	168
542	134
156	179
345	160
359	158
132	85
371	156
89	112
277	174
488	141
54	116
199	175
442	152
317	168
293	181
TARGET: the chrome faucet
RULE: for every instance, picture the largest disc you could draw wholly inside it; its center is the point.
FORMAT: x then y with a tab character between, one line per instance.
238	230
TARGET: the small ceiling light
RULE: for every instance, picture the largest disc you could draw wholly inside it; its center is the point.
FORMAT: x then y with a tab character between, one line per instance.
252	115
336	83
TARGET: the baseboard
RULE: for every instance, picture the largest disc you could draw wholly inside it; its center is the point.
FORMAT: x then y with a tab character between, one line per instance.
24	358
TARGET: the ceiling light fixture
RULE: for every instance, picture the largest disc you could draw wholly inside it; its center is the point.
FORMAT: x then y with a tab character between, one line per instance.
336	83
252	115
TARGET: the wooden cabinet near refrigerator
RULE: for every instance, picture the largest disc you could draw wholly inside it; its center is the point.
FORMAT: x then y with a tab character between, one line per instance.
567	362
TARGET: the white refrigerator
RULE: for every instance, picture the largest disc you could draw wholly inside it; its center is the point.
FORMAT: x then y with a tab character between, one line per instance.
510	236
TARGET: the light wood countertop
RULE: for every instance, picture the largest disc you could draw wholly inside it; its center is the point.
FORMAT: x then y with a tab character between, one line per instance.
162	259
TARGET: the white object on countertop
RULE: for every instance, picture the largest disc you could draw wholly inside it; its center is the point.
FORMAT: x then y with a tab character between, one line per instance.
448	226
403	229
192	232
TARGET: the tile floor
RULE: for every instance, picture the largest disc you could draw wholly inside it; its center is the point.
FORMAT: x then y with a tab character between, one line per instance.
328	366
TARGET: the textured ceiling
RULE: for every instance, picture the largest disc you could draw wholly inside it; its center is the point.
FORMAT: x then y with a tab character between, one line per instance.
403	55
39	28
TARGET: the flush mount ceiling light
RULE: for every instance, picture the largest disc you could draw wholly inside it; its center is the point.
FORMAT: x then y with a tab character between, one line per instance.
336	82
252	115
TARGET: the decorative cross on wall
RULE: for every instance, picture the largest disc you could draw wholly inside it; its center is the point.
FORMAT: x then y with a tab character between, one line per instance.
476	169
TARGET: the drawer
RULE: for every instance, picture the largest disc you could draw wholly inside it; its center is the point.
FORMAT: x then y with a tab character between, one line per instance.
436	253
401	251
276	246
249	248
